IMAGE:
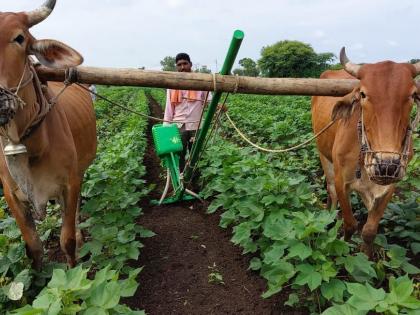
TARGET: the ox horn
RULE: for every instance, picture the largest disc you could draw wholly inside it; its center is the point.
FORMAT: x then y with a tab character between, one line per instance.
40	14
350	67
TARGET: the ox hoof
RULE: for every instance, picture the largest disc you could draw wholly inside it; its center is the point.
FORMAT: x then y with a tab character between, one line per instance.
37	265
367	250
368	237
71	262
36	256
349	231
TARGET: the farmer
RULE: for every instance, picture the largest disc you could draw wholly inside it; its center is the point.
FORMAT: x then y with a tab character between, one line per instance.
184	108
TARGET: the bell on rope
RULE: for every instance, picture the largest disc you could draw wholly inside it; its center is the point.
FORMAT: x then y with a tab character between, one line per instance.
14	148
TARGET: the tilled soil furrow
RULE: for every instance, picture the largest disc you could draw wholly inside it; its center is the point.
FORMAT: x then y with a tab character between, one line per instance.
190	266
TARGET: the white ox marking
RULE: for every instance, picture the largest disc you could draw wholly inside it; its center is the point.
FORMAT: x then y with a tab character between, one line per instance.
370	192
36	191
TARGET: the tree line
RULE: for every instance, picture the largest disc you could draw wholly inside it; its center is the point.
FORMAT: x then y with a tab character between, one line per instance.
283	59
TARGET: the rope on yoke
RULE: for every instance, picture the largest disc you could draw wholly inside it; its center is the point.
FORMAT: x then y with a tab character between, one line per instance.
71	76
235	90
214	82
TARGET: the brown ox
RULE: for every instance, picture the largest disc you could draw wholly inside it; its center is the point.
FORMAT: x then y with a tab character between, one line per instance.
60	141
368	148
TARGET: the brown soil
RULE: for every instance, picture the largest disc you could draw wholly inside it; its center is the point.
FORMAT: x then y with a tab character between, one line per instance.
188	247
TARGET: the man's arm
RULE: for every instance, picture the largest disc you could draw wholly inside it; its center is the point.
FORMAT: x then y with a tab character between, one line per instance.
169	113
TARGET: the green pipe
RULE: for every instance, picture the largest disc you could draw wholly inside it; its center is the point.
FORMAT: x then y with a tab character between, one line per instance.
173	166
235	44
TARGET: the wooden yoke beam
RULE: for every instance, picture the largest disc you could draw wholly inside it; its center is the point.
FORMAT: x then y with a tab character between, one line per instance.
203	81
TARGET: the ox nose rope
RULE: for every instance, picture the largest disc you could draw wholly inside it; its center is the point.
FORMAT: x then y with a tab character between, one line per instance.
21	84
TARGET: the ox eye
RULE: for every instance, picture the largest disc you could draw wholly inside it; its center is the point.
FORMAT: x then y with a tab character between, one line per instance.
362	94
19	39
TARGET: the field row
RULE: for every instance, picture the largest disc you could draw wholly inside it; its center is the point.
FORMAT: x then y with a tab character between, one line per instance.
275	205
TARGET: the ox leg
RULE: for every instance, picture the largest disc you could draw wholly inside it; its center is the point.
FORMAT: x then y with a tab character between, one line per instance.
21	213
68	229
350	223
370	228
79	235
328	168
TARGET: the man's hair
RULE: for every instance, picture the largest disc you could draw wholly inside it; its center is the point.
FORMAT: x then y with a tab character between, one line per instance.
182	56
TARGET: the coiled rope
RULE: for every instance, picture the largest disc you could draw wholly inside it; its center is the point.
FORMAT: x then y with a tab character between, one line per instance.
242	135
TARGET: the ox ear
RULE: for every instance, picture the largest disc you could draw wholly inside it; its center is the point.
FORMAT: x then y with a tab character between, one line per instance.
344	108
55	54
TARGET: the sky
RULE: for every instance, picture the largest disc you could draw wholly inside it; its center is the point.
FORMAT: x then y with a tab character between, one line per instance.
137	33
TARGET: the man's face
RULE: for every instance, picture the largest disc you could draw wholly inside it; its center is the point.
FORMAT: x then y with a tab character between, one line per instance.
183	65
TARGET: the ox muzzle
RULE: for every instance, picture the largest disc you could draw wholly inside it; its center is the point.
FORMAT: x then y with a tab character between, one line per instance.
385	168
10	101
9	104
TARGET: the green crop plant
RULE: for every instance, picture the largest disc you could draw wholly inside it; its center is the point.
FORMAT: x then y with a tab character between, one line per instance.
274	205
111	192
113	185
72	292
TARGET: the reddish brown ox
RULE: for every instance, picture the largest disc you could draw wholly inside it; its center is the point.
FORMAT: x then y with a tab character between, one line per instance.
60	141
368	148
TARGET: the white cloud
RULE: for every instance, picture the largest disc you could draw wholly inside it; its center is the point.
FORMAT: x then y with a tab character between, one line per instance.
357	46
392	43
175	3
319	34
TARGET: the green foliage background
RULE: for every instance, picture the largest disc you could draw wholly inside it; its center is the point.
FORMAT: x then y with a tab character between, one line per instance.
293	59
273	204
